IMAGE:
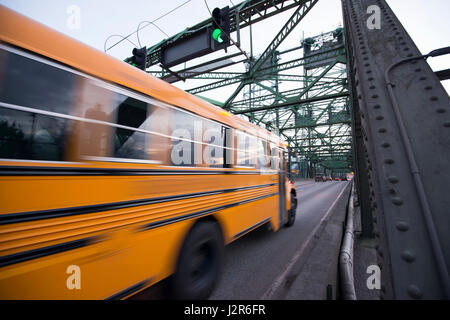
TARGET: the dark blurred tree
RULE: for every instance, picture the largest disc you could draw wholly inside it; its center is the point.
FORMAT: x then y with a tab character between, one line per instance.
12	141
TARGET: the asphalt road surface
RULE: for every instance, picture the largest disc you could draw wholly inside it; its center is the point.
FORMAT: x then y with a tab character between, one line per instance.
256	263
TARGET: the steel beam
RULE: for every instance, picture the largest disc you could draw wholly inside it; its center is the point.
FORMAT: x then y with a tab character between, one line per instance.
405	126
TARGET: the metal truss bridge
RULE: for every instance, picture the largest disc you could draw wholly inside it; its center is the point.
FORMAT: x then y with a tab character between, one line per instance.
351	99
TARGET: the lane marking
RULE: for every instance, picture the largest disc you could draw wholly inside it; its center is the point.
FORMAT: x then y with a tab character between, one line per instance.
280	279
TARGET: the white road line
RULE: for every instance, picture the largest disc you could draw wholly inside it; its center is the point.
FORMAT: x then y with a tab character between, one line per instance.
280	279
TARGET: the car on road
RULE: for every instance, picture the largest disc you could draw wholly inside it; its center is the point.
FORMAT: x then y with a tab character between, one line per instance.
319	178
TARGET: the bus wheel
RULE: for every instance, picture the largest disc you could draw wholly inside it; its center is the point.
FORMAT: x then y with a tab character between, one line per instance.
291	213
199	263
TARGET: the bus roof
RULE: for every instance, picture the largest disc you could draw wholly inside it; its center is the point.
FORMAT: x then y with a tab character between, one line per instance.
20	31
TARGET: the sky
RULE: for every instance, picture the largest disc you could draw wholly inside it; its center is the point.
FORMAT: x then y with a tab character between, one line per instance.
427	22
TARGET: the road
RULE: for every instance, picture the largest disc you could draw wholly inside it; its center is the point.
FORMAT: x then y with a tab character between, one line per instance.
255	264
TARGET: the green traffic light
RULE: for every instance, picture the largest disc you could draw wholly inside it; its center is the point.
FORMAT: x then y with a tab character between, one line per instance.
217	35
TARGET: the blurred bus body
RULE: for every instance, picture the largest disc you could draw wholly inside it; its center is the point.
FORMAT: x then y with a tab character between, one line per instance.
112	180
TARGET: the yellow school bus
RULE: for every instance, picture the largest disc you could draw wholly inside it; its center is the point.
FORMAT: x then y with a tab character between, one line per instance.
112	180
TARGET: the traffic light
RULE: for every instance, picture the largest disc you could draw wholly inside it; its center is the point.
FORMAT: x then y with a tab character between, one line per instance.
139	58
221	28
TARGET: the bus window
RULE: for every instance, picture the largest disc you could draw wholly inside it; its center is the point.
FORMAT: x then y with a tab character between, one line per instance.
230	153
129	143
245	150
26	82
34	84
31	136
95	103
214	140
263	161
185	128
158	149
274	157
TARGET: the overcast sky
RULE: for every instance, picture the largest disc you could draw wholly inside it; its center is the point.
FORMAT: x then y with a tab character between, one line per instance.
428	23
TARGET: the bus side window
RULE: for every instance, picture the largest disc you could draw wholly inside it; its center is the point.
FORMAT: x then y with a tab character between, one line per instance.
29	83
274	157
229	152
158	149
247	155
262	154
31	136
92	139
128	143
243	149
213	143
183	134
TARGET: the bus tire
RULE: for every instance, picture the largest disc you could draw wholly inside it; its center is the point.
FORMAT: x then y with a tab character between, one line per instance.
199	263
292	211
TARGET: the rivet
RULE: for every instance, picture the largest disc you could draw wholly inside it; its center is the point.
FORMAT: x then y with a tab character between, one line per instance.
422	78
414	291
428	87
447	124
408	256
393	179
440	110
434	98
380	118
375	96
382	130
388	161
402	226
372	87
385	145
397	201
418	70
377	106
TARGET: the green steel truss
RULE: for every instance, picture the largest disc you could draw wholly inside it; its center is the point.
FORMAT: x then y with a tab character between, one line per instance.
305	99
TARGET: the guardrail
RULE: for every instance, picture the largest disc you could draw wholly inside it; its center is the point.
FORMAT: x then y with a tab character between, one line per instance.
346	253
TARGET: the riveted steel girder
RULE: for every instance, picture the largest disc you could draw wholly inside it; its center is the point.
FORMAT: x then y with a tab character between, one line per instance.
404	139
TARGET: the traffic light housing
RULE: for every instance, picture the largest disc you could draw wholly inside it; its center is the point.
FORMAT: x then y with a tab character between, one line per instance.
220	32
200	42
139	58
